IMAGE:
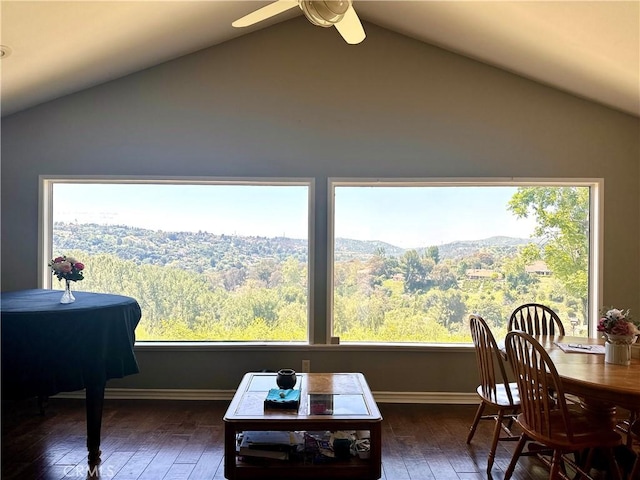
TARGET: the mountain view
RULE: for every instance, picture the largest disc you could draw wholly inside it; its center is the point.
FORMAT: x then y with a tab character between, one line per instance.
213	263
207	250
201	286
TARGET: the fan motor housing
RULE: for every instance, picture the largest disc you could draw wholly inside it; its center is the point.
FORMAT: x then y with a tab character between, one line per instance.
324	13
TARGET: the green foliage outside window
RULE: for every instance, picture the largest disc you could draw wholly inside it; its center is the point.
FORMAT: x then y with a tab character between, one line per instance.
255	289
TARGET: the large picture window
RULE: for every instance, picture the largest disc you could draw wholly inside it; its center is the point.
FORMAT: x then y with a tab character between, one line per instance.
412	260
229	260
207	261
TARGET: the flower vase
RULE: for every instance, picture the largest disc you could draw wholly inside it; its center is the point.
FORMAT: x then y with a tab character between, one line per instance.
617	349
67	296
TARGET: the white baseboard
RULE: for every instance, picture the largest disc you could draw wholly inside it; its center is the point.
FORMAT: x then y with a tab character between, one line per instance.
189	394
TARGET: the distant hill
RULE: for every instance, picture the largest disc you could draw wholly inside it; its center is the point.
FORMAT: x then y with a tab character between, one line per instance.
499	244
349	249
202	251
198	251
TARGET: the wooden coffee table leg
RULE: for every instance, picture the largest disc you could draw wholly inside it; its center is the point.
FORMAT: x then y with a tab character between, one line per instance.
229	451
376	449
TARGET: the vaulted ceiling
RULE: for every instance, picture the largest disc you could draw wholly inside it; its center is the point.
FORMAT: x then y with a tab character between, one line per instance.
54	48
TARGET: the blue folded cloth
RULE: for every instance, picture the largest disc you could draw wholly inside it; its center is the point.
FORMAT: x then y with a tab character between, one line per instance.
277	395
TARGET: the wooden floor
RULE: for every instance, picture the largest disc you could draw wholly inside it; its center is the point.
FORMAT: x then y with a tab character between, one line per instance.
155	440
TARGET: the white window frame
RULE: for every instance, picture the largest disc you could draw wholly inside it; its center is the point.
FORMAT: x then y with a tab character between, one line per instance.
596	209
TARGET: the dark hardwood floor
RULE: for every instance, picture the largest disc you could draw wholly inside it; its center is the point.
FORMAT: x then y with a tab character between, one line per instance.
174	440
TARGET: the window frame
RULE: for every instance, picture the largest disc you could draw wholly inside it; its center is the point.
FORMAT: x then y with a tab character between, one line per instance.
596	209
45	232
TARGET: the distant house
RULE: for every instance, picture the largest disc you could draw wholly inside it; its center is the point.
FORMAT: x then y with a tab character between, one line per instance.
482	273
538	268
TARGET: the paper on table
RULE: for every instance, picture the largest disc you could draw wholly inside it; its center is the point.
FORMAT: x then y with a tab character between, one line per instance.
579	348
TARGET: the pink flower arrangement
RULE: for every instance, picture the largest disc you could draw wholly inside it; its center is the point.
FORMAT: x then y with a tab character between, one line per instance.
617	322
67	268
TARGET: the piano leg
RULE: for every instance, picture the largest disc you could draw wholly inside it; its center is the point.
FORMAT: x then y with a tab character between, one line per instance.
94	401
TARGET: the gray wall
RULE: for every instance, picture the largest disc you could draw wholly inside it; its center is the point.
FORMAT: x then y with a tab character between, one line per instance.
295	100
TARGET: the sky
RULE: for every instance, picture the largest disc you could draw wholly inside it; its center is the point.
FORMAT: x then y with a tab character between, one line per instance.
420	217
407	217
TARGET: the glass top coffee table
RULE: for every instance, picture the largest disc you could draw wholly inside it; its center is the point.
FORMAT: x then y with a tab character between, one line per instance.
331	402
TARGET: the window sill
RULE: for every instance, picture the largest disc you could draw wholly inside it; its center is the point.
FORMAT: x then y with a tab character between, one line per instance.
302	347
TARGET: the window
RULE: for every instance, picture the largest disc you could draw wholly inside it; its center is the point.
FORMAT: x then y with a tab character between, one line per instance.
411	260
228	260
207	260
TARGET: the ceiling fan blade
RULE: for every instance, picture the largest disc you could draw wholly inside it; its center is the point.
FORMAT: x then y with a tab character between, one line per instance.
265	12
350	27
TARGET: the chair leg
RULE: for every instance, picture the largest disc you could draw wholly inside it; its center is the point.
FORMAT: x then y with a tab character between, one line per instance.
511	419
584	468
556	462
476	420
494	443
613	465
632	418
516	455
584	460
632	436
635	471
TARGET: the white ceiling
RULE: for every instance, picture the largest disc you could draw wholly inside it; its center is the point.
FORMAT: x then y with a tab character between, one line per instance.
591	49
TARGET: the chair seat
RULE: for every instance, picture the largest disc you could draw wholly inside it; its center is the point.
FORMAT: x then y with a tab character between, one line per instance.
499	397
586	432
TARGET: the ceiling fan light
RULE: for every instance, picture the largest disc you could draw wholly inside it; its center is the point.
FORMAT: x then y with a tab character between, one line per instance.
331	10
312	14
324	13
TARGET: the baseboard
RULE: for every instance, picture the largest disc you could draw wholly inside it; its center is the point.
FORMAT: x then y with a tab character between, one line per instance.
189	394
448	398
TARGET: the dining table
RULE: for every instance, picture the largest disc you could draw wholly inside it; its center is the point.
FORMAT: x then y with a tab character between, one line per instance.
50	347
602	387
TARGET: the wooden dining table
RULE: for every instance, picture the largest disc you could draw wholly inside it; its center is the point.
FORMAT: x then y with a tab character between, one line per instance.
602	387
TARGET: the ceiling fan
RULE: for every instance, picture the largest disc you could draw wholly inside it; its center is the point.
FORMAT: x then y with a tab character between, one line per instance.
323	13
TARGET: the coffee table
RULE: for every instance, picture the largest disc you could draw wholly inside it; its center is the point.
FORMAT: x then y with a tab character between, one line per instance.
328	402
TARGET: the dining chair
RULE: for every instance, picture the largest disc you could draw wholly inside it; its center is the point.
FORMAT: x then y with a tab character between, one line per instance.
546	420
495	390
536	319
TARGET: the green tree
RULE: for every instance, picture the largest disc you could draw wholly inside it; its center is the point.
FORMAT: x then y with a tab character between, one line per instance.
382	266
445	306
517	278
562	222
265	271
415	271
444	277
434	253
234	277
